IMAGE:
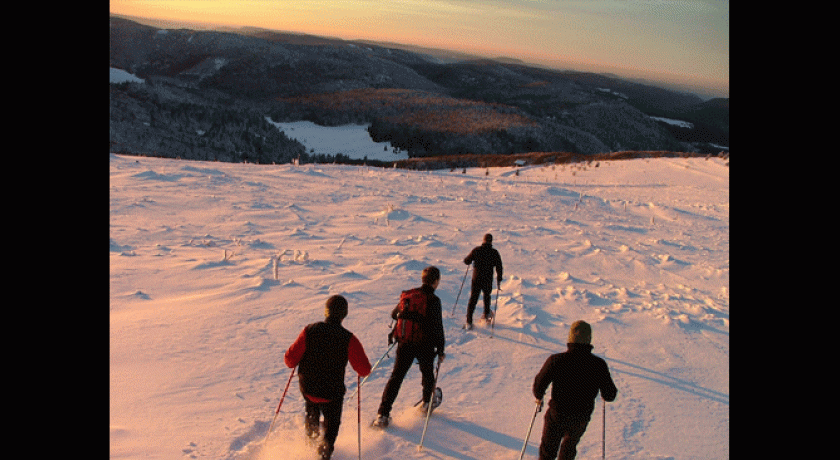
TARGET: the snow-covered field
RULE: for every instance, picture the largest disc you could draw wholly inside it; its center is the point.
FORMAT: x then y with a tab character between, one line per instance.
216	267
351	140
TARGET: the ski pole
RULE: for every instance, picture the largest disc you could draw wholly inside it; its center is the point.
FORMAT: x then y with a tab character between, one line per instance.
359	412
603	422
371	370
495	308
603	427
530	427
429	412
279	405
459	290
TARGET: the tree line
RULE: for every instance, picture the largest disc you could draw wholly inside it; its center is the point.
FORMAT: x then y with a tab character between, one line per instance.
146	120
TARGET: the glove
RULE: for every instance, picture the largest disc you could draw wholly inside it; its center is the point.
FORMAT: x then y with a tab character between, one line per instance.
390	337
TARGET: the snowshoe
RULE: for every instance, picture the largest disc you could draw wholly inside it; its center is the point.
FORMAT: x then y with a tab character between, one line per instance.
437	398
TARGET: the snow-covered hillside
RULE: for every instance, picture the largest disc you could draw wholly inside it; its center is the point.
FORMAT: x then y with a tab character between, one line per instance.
216	267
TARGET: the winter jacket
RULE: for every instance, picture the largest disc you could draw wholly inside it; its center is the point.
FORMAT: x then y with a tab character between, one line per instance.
433	325
576	376
321	353
486	257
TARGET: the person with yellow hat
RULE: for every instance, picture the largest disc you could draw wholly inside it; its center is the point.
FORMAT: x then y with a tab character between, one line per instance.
576	377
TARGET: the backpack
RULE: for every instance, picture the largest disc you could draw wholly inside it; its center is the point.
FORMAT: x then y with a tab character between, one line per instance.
410	316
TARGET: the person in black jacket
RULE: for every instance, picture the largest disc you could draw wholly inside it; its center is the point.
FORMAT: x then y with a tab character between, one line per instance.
321	353
430	345
576	376
485	258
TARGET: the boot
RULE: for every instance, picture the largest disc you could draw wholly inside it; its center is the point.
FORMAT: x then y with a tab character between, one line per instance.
437	397
381	421
325	450
313	432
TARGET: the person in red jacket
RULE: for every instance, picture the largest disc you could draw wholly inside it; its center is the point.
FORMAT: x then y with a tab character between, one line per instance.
576	376
321	353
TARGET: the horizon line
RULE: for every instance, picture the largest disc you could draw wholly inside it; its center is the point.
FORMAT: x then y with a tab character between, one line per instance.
678	83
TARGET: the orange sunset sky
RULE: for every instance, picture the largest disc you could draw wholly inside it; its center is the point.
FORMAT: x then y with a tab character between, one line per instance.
683	42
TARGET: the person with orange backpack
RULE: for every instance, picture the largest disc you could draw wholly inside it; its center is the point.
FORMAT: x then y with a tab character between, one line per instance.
418	331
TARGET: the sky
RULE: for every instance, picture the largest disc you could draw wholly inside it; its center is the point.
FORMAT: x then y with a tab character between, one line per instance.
682	42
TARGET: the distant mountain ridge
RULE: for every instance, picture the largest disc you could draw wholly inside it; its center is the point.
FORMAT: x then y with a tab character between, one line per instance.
195	79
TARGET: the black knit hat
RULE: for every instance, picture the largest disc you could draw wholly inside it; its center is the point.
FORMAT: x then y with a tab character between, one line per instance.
336	308
488	238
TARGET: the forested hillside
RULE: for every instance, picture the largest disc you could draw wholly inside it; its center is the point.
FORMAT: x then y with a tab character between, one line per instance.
206	95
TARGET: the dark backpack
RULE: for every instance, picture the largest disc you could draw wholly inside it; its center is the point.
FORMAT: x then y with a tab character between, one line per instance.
410	316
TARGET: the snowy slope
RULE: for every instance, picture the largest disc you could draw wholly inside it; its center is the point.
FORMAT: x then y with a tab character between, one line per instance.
201	314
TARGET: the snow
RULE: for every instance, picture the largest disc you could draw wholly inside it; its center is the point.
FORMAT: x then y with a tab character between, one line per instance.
352	140
216	267
122	76
607	90
671	121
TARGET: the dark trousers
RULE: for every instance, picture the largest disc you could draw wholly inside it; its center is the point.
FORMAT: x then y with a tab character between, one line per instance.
477	288
406	354
561	432
332	419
